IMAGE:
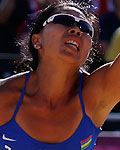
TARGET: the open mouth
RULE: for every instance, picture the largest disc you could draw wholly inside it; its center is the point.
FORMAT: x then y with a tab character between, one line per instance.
73	43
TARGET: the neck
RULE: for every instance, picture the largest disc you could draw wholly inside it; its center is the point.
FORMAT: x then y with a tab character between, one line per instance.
55	82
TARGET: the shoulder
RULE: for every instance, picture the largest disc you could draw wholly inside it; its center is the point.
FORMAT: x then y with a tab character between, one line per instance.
93	92
12	79
93	82
93	88
12	86
10	91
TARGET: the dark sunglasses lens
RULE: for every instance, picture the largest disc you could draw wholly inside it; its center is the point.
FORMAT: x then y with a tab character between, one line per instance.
70	21
64	20
85	27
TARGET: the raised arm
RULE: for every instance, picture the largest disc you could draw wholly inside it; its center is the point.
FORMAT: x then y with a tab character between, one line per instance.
103	88
111	81
105	83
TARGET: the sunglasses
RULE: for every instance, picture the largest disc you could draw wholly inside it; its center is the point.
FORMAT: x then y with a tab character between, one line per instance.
69	21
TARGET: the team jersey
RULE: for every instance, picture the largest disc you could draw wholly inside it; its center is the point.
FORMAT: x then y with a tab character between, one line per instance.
13	137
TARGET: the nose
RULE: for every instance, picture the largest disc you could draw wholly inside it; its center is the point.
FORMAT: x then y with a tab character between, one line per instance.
75	31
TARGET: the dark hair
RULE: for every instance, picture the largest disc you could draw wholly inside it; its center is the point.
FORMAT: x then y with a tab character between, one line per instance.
37	27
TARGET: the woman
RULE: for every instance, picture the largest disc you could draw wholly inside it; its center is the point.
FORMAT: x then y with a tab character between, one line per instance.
59	108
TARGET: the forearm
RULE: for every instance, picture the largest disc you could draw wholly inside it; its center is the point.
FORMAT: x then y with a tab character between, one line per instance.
6	8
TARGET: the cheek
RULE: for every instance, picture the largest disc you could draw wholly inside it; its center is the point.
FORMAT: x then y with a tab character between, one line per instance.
51	36
87	44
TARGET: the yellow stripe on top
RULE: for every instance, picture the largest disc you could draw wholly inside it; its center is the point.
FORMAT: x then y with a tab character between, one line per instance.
86	144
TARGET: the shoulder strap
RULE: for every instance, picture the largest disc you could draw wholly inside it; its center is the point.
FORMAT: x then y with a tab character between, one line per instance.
80	95
21	97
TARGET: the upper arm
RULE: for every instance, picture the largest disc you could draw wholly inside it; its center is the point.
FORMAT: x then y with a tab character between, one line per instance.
111	81
2	82
9	87
101	91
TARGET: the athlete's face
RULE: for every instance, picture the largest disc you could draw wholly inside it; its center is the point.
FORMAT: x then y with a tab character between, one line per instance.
63	42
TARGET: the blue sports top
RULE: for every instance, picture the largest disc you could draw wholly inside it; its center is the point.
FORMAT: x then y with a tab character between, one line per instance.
13	137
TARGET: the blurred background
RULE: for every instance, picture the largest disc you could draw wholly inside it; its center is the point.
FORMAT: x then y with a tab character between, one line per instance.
15	14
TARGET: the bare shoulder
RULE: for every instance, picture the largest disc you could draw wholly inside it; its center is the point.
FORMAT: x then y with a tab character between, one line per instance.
107	77
10	91
12	78
100	92
13	84
94	82
95	86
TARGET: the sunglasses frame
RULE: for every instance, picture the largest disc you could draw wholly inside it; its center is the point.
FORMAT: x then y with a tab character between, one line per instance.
77	19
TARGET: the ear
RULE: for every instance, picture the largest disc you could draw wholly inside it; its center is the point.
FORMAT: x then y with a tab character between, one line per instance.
36	41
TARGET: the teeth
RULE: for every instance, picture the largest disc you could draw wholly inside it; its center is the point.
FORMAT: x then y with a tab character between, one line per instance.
73	43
